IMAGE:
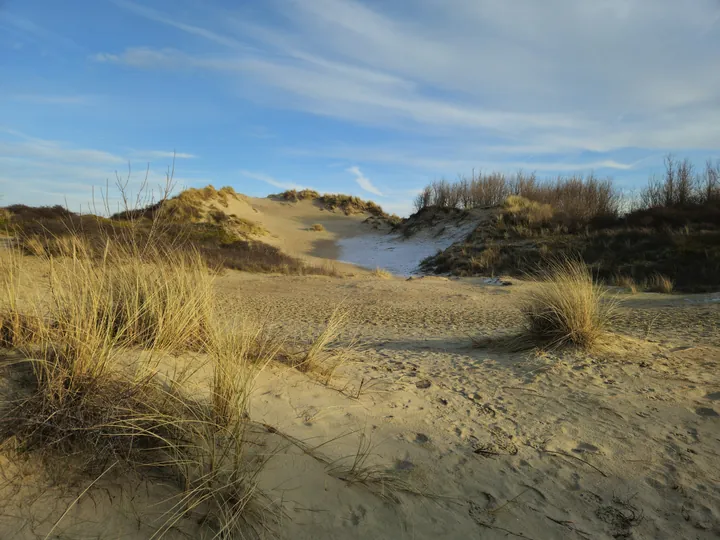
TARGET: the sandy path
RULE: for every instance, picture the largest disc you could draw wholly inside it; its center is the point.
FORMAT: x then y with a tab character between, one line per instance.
543	446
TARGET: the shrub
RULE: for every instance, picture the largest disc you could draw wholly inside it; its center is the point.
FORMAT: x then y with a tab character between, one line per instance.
568	307
486	260
576	199
317	227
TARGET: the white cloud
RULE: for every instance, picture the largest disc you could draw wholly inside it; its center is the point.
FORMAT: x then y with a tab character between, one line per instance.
363	181
149	155
270	180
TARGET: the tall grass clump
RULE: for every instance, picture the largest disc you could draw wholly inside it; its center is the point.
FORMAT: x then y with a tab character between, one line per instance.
381	273
17	328
568	307
94	395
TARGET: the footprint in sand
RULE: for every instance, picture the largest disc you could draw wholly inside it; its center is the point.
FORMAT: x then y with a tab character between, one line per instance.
706	411
583	448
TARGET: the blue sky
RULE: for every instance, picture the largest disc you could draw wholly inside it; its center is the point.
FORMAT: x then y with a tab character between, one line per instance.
368	97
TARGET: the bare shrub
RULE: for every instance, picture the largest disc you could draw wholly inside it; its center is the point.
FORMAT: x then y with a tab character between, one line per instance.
681	186
576	198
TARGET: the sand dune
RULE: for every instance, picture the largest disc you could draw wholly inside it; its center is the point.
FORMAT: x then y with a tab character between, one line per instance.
351	239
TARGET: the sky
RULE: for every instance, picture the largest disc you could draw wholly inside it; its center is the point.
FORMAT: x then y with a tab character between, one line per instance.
373	98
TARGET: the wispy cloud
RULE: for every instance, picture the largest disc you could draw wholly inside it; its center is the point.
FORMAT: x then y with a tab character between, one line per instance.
270	180
49	99
363	181
158	16
487	68
40	171
26	30
160	154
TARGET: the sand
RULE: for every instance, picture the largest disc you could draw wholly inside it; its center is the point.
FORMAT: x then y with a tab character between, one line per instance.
461	442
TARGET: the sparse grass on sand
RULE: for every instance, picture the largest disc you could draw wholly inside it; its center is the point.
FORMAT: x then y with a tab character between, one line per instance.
568	307
324	356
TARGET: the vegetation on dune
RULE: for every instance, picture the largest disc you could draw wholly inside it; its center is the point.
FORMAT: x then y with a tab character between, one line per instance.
317	227
575	200
348	204
186	206
294	195
672	229
187	222
660	283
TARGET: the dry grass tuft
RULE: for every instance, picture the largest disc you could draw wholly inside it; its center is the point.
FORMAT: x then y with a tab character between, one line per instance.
626	282
660	283
238	353
324	355
568	307
317	227
16	328
381	273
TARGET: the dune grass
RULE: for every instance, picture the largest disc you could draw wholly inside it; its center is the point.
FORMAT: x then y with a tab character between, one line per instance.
568	307
317	227
92	394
